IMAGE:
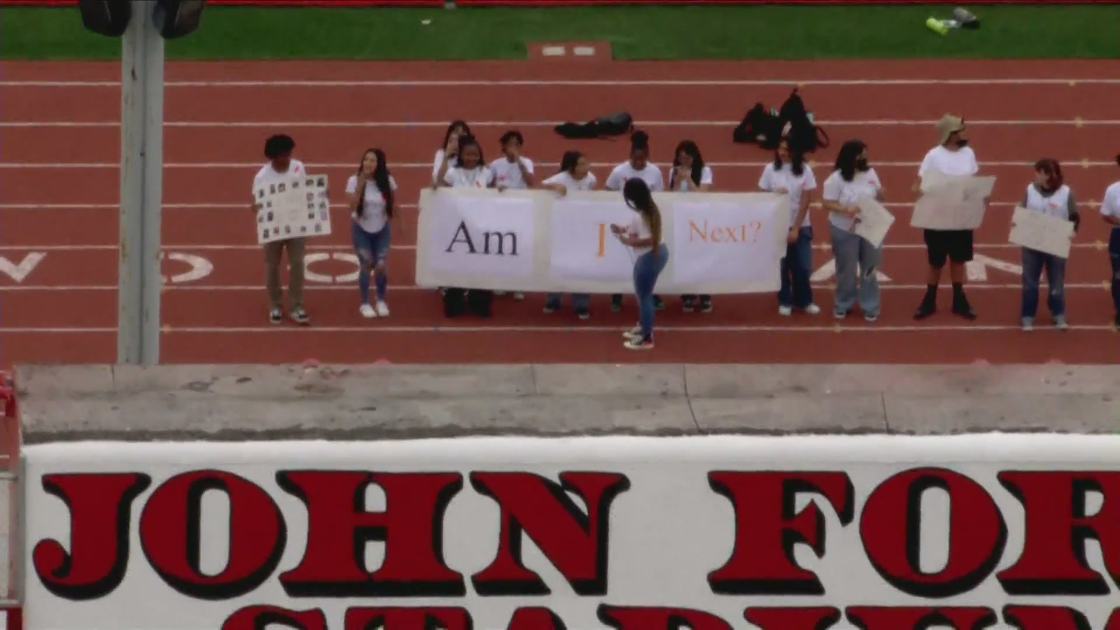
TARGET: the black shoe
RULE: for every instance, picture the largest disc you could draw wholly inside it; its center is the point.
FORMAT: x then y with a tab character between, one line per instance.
706	304
962	308
658	303
925	309
616	303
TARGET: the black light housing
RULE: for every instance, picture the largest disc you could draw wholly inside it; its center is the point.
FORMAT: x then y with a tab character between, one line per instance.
177	18
106	17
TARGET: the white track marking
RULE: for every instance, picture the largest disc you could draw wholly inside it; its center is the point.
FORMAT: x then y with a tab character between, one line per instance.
1076	122
335	206
381	330
312	286
605	83
29	166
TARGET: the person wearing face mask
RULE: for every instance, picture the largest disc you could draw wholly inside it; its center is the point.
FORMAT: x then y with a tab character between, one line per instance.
1050	195
952	157
852	179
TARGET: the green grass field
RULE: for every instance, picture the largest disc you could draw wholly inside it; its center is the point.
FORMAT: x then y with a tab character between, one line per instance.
744	32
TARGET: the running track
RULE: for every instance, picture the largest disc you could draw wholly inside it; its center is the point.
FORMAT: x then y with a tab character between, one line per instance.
59	185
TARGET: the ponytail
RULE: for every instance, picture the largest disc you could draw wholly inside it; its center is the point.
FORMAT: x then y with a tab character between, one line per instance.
653	218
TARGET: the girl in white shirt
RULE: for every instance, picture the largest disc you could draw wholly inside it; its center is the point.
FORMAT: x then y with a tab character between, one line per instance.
471	172
637	167
370	193
644	236
856	259
1048	195
1110	212
575	174
689	174
789	175
448	154
512	171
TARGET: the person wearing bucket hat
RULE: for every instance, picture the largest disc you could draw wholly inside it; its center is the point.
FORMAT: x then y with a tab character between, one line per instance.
952	156
1110	212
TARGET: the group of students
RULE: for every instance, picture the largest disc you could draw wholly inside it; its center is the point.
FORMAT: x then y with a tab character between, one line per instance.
459	163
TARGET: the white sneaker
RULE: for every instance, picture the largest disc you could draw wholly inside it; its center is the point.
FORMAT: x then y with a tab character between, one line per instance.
367	311
785	311
382	309
637	343
1028	324
813	309
518	296
633	333
1060	323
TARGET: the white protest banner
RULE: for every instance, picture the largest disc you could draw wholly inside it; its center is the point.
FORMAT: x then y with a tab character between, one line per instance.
951	202
717	532
294	207
583	247
1041	232
873	221
737	241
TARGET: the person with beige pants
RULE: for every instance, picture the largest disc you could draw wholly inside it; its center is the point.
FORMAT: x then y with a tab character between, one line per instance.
278	149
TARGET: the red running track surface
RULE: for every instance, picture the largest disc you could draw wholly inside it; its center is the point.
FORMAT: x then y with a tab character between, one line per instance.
59	181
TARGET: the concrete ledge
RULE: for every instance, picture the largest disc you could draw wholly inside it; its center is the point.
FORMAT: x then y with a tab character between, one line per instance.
243	402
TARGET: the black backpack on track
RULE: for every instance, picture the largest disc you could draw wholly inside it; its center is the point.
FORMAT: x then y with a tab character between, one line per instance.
617	124
766	127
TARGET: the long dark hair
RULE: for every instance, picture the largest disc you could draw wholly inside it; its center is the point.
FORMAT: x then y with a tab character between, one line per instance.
380	179
639	141
796	159
467	140
466	131
569	161
1053	172
847	157
688	147
637	193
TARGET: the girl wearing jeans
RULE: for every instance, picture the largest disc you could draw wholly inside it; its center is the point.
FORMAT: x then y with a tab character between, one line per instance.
789	175
856	259
1048	195
1110	212
575	174
644	236
370	193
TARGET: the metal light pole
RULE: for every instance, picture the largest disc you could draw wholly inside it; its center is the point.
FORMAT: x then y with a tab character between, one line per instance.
140	280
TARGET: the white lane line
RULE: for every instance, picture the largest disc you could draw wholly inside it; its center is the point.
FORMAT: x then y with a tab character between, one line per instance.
381	330
604	83
367	124
335	206
1098	245
1069	163
311	286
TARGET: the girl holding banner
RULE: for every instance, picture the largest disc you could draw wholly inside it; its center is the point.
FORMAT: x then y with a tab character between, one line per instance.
852	179
689	174
637	167
575	174
789	175
1048	195
644	236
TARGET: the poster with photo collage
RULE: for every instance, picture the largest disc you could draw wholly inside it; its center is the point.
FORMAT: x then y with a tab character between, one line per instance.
293	208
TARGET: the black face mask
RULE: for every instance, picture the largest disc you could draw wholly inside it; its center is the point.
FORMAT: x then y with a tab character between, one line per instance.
962	142
862	165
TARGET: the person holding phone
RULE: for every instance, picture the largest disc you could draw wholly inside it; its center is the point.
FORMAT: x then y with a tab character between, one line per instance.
280	167
448	154
651	255
637	166
370	193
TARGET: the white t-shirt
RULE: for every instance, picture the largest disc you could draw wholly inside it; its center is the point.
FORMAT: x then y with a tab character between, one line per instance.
268	174
849	193
453	162
477	177
373	217
1055	205
775	178
508	175
570	183
1110	206
706	179
959	162
639	229
651	175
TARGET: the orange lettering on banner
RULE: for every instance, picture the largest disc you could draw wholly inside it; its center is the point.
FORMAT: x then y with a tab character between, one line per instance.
724	234
602	241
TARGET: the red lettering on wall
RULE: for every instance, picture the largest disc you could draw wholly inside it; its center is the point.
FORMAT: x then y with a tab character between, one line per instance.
1057	526
261	617
407	619
916	618
338	527
535	619
821	618
977	532
171	538
100	506
767	527
1053	618
654	618
574	542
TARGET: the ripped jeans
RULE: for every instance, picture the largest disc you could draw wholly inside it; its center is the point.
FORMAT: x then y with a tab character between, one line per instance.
1033	264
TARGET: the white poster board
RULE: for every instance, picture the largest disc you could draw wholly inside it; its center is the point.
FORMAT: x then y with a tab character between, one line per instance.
1041	232
294	207
952	202
873	221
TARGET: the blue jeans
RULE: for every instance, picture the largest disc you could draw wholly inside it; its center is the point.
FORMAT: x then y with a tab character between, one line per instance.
372	250
1033	264
647	268
853	252
580	301
796	268
1114	256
